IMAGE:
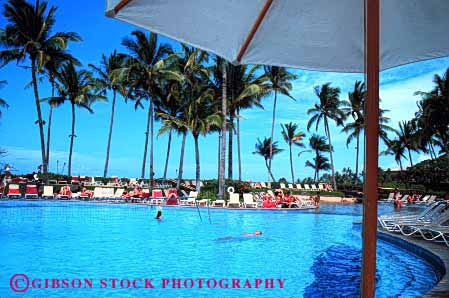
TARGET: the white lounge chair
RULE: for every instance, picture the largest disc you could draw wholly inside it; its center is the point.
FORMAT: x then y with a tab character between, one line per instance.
283	186
263	185
234	199
248	200
313	187
48	192
290	186
219	203
298	186
307	187
321	187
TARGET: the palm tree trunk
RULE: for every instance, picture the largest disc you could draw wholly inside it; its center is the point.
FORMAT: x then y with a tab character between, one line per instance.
221	175
168	154
230	144
400	164
111	124
410	156
145	148
218	157
72	137
272	128
239	157
357	158
151	144
39	116
331	155
49	123
291	163
50	115
197	163
269	171
181	160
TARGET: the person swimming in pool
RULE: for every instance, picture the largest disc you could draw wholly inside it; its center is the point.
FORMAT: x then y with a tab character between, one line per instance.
256	233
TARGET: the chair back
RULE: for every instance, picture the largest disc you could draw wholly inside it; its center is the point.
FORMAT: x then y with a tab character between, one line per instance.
234	198
248	198
48	191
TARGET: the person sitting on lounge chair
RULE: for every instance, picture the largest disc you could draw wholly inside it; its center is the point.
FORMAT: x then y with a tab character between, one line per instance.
86	193
268	202
136	193
397	199
65	191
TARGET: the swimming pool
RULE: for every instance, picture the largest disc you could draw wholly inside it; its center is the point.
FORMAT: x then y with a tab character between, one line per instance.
317	255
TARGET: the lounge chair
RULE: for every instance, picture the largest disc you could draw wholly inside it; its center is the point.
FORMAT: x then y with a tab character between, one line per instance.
75	180
438	233
410	227
157	197
269	185
189	199
390	197
31	191
313	187
321	187
14	191
282	185
290	186
307	187
248	200
119	193
271	194
263	185
298	186
431	199
219	203
234	199
48	192
388	221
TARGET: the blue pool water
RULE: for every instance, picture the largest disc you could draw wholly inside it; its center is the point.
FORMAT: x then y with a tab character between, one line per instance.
317	254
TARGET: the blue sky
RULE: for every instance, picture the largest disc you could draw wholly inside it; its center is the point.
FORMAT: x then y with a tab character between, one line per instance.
19	134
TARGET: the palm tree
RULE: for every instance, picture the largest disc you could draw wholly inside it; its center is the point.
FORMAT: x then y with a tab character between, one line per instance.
79	88
354	107
245	90
106	81
28	35
408	137
397	149
434	108
147	65
267	150
219	82
319	145
320	163
292	137
51	68
3	103
170	106
279	81
329	108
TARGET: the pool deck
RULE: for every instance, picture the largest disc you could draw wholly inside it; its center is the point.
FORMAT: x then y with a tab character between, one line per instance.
436	254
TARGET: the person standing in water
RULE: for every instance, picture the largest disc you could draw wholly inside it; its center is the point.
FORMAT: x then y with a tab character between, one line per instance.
159	213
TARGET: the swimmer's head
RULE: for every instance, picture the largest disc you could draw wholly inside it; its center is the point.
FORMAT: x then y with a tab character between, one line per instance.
258	232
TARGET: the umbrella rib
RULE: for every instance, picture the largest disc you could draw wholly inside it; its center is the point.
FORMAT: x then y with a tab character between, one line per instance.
254	29
120	5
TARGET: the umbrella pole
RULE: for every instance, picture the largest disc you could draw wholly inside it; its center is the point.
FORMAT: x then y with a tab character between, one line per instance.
372	35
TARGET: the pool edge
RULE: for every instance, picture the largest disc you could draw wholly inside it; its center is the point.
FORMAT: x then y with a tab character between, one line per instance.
436	255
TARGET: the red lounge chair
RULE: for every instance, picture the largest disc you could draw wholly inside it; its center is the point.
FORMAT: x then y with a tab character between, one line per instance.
14	191
75	180
157	197
31	191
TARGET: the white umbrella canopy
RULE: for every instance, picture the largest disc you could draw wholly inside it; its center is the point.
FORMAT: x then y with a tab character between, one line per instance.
325	35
